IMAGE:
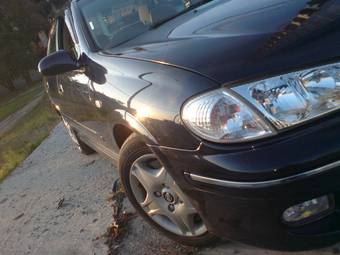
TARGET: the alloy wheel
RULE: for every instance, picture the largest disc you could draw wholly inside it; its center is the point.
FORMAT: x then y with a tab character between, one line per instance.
161	198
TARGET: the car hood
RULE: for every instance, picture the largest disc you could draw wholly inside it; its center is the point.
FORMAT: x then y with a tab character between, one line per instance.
234	40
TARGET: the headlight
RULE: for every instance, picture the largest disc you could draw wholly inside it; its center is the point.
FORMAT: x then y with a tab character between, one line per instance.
220	117
285	100
296	97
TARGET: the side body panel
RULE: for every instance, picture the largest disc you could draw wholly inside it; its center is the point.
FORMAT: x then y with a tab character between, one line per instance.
150	93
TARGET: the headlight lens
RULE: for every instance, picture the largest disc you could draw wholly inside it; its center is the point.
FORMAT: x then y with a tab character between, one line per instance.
220	117
293	98
285	101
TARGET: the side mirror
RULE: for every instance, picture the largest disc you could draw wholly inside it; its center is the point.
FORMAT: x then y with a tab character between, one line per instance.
57	63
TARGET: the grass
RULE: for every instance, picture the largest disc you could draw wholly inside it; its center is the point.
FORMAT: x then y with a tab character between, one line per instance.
16	103
17	144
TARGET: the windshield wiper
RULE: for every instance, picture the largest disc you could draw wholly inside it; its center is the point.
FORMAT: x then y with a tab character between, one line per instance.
155	25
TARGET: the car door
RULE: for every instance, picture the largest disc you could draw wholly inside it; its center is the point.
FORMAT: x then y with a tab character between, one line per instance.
79	106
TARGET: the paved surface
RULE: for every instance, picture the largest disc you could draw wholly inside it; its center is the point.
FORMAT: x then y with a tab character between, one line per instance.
8	123
55	175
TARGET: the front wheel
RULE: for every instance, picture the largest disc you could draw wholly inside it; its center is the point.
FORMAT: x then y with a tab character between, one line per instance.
156	196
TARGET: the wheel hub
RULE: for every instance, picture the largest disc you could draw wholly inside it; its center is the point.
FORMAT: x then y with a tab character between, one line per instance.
169	196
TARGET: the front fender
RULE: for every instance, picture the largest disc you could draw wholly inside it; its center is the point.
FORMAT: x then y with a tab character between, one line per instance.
130	121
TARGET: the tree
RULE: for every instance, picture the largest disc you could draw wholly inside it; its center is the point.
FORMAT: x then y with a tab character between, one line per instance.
20	22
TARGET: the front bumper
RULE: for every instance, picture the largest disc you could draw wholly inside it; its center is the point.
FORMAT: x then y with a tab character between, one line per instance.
254	215
260	184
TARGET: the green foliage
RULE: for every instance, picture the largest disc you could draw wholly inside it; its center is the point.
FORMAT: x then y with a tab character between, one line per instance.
17	144
18	102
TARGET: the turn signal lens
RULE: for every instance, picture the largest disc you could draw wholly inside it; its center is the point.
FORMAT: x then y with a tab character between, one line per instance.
306	210
220	117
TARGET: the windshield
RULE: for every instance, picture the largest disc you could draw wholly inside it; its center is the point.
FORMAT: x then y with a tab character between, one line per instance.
112	22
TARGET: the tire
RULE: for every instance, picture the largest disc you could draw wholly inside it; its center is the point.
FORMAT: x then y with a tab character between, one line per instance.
83	148
132	152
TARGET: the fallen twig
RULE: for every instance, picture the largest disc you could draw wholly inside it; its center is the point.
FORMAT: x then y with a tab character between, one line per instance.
115	232
60	203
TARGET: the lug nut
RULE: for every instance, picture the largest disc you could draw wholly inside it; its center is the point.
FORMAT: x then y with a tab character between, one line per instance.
171	207
158	194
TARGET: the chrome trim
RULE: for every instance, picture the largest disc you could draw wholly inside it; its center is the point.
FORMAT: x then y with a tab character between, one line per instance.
177	149
263	184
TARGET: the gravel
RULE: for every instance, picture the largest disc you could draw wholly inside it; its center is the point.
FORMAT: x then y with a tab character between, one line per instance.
58	202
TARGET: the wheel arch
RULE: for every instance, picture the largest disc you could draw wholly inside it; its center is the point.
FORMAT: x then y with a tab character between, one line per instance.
130	124
121	133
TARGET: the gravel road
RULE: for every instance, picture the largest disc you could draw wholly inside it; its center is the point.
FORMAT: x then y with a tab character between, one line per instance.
57	202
